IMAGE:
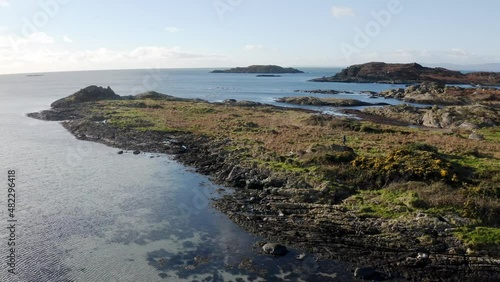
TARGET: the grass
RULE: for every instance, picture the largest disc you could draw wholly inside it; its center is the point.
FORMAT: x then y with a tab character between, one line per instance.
384	203
391	172
480	237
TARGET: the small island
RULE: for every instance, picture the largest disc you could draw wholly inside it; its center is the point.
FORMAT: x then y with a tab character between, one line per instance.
391	199
272	69
268	75
378	72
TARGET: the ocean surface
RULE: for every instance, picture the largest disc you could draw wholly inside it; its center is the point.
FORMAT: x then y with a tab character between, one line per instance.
85	213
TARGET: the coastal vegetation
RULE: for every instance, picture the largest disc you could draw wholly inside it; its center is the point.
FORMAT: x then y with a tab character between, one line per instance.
404	188
376	156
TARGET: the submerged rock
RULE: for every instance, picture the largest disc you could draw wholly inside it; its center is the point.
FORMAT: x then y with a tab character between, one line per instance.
274	249
364	272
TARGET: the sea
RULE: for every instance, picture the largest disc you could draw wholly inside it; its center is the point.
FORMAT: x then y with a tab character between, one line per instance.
85	213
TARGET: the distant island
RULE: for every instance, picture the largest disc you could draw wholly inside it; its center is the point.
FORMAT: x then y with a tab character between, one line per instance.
377	72
259	69
268	75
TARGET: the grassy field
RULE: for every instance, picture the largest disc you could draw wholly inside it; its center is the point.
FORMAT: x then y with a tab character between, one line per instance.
382	171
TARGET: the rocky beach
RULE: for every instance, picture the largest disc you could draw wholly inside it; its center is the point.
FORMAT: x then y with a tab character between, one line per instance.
396	202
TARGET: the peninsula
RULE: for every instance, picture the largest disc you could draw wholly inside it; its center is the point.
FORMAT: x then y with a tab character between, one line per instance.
394	201
377	72
260	69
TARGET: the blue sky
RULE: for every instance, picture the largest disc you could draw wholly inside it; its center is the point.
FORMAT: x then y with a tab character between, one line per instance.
59	35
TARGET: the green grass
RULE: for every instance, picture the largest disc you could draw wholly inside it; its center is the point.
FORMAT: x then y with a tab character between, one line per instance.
384	203
480	237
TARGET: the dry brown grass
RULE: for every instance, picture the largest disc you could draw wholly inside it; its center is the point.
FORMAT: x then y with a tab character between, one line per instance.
283	137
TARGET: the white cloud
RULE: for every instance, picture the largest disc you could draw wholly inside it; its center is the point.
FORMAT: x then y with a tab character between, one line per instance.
172	29
4	3
67	39
253	47
459	52
39	52
40	38
339	12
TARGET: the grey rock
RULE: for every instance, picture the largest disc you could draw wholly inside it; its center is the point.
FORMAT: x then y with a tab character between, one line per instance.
476	136
274	249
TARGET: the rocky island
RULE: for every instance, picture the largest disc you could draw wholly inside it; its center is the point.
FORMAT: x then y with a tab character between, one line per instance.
262	69
396	202
378	72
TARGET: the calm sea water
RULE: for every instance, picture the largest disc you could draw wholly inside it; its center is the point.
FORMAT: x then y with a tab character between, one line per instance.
85	213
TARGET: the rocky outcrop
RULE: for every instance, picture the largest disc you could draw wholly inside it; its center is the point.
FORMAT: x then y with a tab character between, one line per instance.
241	103
320	91
378	72
332	102
435	93
469	117
424	93
260	69
403	112
88	94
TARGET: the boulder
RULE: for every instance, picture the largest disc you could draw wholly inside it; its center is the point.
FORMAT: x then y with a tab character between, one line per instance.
274	249
476	136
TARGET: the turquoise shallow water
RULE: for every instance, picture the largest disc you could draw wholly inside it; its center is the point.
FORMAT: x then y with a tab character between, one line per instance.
86	213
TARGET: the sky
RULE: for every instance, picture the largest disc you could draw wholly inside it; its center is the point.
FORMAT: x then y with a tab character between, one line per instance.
67	35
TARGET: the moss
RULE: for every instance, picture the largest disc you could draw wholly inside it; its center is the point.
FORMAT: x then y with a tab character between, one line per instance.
480	237
384	203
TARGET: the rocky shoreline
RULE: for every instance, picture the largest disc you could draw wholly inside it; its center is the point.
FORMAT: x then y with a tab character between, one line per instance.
284	208
379	72
332	102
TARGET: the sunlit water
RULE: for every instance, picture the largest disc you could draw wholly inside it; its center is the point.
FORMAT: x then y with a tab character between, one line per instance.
86	213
